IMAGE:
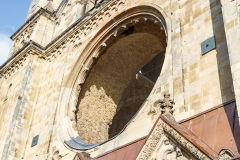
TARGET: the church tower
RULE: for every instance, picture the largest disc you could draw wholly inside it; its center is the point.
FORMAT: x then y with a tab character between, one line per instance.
123	80
37	4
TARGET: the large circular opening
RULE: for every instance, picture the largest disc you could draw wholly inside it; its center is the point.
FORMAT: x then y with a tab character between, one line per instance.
120	81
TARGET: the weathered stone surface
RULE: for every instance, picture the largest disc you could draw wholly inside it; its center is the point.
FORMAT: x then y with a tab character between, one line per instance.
102	94
83	71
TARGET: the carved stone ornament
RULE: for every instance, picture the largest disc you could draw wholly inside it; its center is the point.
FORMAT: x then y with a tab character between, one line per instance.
151	143
191	148
164	106
225	154
167	107
173	150
157	134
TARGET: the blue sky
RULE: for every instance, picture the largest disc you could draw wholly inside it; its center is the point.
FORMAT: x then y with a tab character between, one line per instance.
12	16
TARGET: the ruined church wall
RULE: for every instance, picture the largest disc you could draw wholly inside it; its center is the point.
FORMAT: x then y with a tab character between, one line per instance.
44	118
51	77
196	82
43	32
37	4
15	109
231	18
73	11
200	82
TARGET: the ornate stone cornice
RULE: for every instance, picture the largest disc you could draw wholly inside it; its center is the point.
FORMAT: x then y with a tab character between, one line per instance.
151	143
15	62
190	147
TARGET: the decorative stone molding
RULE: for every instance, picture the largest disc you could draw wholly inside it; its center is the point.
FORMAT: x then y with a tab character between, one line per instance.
23	37
167	105
46	52
13	65
183	141
151	143
80	31
93	51
164	106
75	35
225	154
158	132
32	20
173	149
23	34
89	62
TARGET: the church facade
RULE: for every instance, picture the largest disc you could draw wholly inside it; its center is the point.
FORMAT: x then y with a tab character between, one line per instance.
123	79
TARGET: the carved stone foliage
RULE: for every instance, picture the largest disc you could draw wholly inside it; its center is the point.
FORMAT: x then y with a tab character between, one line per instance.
167	149
171	151
184	142
165	107
151	143
225	154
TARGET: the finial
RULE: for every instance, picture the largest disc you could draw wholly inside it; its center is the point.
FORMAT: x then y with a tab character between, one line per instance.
165	106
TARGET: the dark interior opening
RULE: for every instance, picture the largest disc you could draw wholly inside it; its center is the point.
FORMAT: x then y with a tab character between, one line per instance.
120	81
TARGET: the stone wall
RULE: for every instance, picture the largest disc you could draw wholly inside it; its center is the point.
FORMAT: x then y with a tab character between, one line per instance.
48	81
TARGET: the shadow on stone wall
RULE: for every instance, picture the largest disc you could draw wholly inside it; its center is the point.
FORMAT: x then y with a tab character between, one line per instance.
104	91
224	70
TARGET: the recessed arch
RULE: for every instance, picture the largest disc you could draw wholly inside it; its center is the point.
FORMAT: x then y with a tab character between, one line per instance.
114	89
91	53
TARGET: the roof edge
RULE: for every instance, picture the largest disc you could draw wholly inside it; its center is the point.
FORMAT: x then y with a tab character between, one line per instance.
190	140
209	110
125	145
